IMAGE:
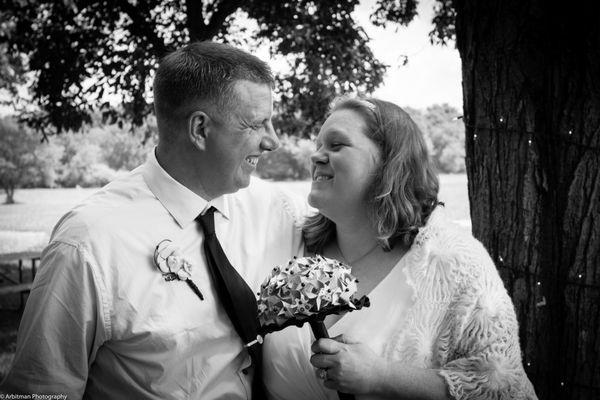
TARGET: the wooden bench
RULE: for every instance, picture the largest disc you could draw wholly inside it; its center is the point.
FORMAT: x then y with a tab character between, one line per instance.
21	287
18	286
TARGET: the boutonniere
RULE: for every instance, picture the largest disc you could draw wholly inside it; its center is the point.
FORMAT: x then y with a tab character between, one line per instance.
169	260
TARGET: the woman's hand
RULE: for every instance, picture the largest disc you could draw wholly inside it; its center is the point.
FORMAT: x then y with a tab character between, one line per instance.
351	366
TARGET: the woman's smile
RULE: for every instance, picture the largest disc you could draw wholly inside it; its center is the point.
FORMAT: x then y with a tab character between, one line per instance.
343	164
320	176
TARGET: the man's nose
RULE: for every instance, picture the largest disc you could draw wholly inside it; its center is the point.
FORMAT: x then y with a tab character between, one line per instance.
269	141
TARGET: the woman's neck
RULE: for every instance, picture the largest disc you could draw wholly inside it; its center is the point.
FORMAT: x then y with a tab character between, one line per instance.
355	237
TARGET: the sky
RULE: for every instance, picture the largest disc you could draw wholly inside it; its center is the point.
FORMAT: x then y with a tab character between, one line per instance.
433	72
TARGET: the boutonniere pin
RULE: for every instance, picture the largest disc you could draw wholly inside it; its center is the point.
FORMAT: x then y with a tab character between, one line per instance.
169	260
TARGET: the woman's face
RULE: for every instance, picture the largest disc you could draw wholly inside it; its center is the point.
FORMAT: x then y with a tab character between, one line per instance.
343	165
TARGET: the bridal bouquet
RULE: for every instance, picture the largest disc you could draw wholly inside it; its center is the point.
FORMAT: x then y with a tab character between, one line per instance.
307	289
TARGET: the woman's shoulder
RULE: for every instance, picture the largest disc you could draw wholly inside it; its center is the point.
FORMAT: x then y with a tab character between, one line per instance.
444	238
442	244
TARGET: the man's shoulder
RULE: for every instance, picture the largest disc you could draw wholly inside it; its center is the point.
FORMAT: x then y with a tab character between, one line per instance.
271	197
110	207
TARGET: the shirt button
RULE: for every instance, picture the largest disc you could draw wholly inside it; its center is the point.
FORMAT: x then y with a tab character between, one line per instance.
245	371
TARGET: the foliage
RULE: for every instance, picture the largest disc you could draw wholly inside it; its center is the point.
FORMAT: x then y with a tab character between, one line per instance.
25	161
127	147
80	160
100	153
11	64
90	158
447	136
48	156
290	162
82	52
444	134
326	51
403	12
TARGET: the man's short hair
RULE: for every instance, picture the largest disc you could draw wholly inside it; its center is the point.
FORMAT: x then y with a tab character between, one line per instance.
203	73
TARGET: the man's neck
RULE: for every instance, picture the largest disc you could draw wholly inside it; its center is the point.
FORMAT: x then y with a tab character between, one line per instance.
179	168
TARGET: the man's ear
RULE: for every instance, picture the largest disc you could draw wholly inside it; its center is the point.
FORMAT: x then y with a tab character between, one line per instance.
197	124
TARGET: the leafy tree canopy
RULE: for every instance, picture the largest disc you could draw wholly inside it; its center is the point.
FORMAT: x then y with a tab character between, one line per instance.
81	51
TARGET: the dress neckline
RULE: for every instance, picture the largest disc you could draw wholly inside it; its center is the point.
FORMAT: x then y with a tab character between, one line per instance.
397	268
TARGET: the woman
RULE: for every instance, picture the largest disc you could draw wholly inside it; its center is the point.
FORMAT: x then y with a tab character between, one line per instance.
441	325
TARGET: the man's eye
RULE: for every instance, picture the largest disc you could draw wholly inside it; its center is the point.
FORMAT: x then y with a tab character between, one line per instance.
336	145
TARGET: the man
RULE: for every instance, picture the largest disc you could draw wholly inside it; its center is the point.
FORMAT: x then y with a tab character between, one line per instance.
101	321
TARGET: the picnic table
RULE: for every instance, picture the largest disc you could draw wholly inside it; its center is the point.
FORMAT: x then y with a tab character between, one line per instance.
19	286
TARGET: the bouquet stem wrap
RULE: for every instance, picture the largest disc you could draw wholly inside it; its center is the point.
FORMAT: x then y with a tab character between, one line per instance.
320	332
319	329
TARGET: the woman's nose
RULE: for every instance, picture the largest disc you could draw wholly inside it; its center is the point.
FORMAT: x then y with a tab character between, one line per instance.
319	157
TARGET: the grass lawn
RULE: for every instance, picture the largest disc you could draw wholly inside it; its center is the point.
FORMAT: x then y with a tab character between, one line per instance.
27	224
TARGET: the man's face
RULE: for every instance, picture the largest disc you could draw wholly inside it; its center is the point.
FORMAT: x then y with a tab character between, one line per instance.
238	136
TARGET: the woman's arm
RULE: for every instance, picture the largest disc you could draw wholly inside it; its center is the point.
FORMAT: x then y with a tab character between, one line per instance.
352	367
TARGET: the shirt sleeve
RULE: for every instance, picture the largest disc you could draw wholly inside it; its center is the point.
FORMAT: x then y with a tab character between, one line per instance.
62	326
485	361
295	206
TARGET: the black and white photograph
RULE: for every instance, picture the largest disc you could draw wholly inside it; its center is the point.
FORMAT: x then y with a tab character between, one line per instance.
300	200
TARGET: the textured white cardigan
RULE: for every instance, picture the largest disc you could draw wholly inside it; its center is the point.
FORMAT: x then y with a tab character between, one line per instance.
457	319
461	300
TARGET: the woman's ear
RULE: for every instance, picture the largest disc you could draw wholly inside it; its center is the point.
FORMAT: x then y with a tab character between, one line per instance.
197	124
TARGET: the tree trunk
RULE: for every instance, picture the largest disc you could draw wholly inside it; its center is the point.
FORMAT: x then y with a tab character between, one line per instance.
531	83
10	195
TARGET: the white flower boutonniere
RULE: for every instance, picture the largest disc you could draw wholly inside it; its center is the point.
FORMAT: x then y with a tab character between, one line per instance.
169	260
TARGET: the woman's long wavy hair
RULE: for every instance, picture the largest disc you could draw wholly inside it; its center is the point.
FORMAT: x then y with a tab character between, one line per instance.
405	185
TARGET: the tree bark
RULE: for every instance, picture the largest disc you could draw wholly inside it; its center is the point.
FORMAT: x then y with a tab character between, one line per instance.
531	84
10	195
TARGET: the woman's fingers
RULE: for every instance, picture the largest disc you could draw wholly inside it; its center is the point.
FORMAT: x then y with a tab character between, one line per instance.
331	384
327	346
323	361
346	365
346	339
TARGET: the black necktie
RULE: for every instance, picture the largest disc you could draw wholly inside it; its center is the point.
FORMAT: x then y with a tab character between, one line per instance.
235	295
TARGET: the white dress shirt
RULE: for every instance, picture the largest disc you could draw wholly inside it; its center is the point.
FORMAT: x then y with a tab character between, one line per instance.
102	323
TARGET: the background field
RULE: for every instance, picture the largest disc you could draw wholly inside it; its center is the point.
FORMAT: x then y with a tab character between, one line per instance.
27	224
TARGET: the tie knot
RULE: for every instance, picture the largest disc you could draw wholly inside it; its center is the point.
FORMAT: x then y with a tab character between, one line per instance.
207	221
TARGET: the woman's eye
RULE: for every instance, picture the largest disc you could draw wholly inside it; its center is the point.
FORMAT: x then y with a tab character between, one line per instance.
335	145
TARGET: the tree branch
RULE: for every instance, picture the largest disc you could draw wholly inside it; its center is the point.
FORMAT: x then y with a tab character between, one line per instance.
143	26
221	10
195	19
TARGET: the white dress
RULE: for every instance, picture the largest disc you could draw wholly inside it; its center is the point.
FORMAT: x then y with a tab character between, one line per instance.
443	306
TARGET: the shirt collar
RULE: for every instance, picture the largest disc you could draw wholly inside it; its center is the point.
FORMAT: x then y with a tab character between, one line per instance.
183	204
